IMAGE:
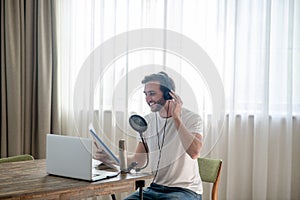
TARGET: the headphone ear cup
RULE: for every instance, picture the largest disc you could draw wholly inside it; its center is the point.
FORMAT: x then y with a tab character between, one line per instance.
167	96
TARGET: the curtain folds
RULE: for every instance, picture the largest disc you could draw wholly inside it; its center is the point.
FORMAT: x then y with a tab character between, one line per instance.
29	74
260	157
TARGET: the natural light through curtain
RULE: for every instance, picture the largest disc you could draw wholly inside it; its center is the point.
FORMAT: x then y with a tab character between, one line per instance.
255	47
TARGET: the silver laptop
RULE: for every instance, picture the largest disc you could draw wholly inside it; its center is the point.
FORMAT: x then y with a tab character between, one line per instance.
71	157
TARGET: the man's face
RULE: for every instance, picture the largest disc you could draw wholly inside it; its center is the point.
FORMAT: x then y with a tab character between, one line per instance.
154	96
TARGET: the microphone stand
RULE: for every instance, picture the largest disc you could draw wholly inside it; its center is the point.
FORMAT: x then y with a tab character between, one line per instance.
139	124
147	151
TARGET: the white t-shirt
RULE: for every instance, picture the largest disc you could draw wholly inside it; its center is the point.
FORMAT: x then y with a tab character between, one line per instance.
176	168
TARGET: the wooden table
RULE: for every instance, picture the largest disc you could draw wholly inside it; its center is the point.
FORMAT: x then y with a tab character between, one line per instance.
29	180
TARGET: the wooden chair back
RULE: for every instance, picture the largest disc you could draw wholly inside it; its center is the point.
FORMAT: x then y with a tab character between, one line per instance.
16	158
210	170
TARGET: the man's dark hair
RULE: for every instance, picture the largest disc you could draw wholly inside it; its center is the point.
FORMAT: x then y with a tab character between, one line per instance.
166	83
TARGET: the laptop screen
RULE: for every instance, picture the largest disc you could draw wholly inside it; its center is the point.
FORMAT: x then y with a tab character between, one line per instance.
69	156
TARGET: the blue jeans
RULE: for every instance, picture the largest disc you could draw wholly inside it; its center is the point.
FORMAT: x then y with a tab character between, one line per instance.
160	192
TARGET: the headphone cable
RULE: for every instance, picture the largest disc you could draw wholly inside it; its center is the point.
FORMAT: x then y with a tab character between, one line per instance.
162	143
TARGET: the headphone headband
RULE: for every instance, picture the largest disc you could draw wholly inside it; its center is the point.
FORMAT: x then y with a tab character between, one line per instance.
167	81
167	84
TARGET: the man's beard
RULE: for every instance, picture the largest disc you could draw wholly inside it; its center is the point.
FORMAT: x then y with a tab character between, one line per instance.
161	101
159	104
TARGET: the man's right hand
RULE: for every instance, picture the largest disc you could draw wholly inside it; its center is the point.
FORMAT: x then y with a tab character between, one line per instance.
102	156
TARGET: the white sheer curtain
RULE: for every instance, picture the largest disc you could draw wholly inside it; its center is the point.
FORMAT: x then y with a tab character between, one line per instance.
255	48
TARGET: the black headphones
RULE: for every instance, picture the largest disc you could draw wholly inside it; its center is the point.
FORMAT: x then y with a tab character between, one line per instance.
166	85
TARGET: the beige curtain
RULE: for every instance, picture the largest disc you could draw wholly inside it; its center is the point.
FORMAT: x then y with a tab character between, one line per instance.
260	160
29	94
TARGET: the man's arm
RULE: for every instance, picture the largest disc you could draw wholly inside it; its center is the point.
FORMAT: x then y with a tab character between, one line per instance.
140	156
192	142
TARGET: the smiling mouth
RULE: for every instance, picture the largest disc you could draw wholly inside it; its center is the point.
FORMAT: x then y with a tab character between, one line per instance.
151	103
155	106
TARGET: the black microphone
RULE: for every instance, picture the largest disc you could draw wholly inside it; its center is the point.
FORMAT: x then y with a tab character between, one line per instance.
140	125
